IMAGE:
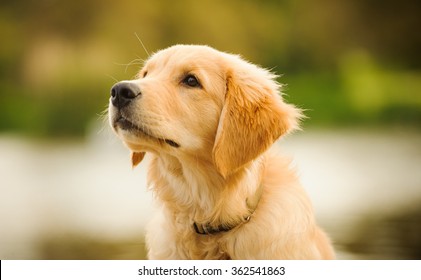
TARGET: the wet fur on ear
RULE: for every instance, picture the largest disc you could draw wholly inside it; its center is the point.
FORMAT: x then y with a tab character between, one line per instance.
252	119
136	157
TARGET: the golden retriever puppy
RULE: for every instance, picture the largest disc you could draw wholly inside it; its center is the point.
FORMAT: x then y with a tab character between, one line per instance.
209	118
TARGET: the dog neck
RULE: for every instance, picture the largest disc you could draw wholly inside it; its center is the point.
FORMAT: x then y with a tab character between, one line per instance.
194	191
251	203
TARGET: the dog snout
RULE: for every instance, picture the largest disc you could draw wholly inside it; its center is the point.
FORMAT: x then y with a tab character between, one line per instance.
123	93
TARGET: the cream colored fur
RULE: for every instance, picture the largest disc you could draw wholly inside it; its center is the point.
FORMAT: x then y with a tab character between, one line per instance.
224	128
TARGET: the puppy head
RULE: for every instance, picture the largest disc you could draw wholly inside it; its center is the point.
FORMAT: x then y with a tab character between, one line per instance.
194	100
173	106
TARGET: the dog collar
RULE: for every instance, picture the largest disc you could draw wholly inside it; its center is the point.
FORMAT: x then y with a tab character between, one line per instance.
251	203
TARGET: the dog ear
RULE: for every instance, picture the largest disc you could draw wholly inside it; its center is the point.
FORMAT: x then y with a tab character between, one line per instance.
253	118
137	157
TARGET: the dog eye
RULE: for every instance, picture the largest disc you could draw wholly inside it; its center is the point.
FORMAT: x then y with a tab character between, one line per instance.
191	81
145	73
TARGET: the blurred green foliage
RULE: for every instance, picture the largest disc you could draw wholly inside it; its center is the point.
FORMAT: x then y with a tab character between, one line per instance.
347	62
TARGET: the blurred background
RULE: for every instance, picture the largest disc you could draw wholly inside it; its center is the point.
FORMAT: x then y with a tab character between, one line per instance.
67	190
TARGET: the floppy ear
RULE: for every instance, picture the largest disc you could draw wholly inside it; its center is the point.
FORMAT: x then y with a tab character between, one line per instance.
136	158
253	118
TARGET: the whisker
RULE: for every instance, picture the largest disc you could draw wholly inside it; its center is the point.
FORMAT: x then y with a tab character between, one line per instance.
138	38
136	61
109	76
103	115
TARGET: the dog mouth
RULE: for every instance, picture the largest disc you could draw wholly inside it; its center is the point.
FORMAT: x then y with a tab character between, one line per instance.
127	125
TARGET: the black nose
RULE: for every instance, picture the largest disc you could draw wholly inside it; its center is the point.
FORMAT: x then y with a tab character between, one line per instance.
123	93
